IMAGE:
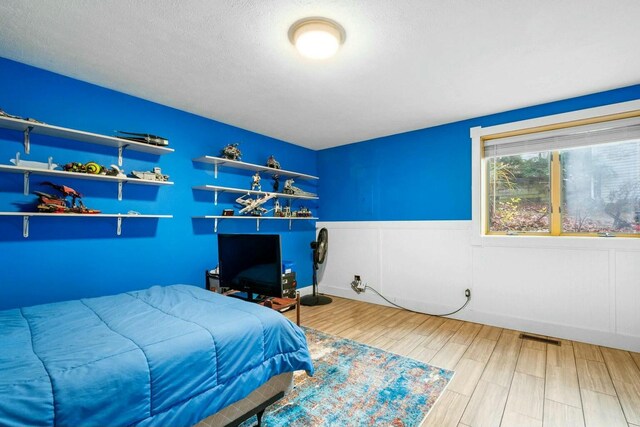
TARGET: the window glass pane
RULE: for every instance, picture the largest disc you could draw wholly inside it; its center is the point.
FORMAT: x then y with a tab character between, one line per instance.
518	193
601	189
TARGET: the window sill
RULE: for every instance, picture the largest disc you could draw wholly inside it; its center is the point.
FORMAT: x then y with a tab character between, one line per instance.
559	242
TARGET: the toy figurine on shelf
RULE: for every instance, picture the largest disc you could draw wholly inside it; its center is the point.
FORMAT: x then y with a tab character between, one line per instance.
277	209
156	175
303	212
94	169
255	184
116	171
276	182
231	152
289	188
58	204
75	167
273	163
146	138
254	206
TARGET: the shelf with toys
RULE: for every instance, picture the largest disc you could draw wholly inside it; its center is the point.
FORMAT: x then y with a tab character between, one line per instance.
30	126
217	189
221	161
257	219
120	178
251	203
58	205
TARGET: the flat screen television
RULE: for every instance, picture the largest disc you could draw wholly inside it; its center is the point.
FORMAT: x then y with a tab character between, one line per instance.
250	263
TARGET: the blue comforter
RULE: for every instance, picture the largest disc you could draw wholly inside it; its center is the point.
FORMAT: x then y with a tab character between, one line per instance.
164	356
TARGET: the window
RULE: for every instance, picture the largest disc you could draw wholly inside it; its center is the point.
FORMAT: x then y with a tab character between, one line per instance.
577	180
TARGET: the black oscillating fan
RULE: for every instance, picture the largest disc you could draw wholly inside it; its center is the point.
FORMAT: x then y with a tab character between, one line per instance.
319	247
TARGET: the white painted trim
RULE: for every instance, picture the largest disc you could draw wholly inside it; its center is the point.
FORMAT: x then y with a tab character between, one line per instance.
479	238
449	296
604	338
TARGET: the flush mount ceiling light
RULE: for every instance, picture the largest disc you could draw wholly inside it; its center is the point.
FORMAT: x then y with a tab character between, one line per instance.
317	38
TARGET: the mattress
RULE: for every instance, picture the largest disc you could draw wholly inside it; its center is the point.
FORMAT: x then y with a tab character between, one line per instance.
163	356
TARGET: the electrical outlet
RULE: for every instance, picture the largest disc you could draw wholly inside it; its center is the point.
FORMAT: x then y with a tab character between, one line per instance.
357	285
467	293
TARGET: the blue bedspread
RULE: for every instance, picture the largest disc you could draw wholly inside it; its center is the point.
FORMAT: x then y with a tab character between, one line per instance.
166	356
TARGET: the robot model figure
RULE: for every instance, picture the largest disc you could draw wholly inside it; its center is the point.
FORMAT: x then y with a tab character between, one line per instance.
231	152
276	183
273	163
255	185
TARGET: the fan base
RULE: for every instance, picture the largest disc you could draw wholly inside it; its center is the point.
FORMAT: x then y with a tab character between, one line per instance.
311	300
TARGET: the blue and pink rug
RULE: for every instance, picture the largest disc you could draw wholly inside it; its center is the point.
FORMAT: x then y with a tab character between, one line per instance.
357	385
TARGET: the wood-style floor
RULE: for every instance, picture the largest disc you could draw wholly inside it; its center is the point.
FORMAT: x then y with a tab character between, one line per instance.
500	379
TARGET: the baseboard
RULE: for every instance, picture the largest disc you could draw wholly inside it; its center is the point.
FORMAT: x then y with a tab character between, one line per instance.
603	338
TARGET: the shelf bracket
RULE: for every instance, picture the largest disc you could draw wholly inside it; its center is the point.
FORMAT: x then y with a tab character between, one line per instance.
120	190
215	197
119	227
215	225
215	170
257	224
120	150
27	139
26	183
25	226
290	221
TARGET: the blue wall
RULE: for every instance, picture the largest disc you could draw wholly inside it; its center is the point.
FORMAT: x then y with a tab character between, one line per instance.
424	174
81	257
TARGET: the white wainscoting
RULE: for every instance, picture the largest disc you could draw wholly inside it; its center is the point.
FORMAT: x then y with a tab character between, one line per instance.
589	294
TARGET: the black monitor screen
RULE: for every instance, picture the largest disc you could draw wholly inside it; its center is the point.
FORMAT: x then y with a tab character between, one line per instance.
250	263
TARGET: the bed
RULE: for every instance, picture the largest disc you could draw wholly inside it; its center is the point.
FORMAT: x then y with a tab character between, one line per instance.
172	355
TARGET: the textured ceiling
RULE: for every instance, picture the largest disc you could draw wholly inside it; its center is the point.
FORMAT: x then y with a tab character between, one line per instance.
406	64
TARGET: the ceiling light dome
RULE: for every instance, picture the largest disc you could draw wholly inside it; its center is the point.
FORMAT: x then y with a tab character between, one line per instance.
317	38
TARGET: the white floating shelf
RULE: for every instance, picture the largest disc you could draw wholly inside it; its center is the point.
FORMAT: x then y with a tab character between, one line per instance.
28	128
27	171
219	161
219	189
217	218
26	215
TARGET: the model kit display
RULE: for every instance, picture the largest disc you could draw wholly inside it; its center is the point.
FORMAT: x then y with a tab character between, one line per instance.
289	188
94	169
276	182
277	209
254	206
146	138
32	164
156	175
59	204
302	212
273	163
255	184
231	152
227	212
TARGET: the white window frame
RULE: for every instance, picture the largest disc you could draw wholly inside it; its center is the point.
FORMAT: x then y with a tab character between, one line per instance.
478	178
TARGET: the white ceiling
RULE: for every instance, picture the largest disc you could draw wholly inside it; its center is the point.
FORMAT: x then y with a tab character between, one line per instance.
406	64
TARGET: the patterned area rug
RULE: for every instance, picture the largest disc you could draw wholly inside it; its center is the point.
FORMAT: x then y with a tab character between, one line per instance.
357	385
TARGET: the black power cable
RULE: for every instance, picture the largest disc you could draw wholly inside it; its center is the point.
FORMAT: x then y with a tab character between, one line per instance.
468	296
